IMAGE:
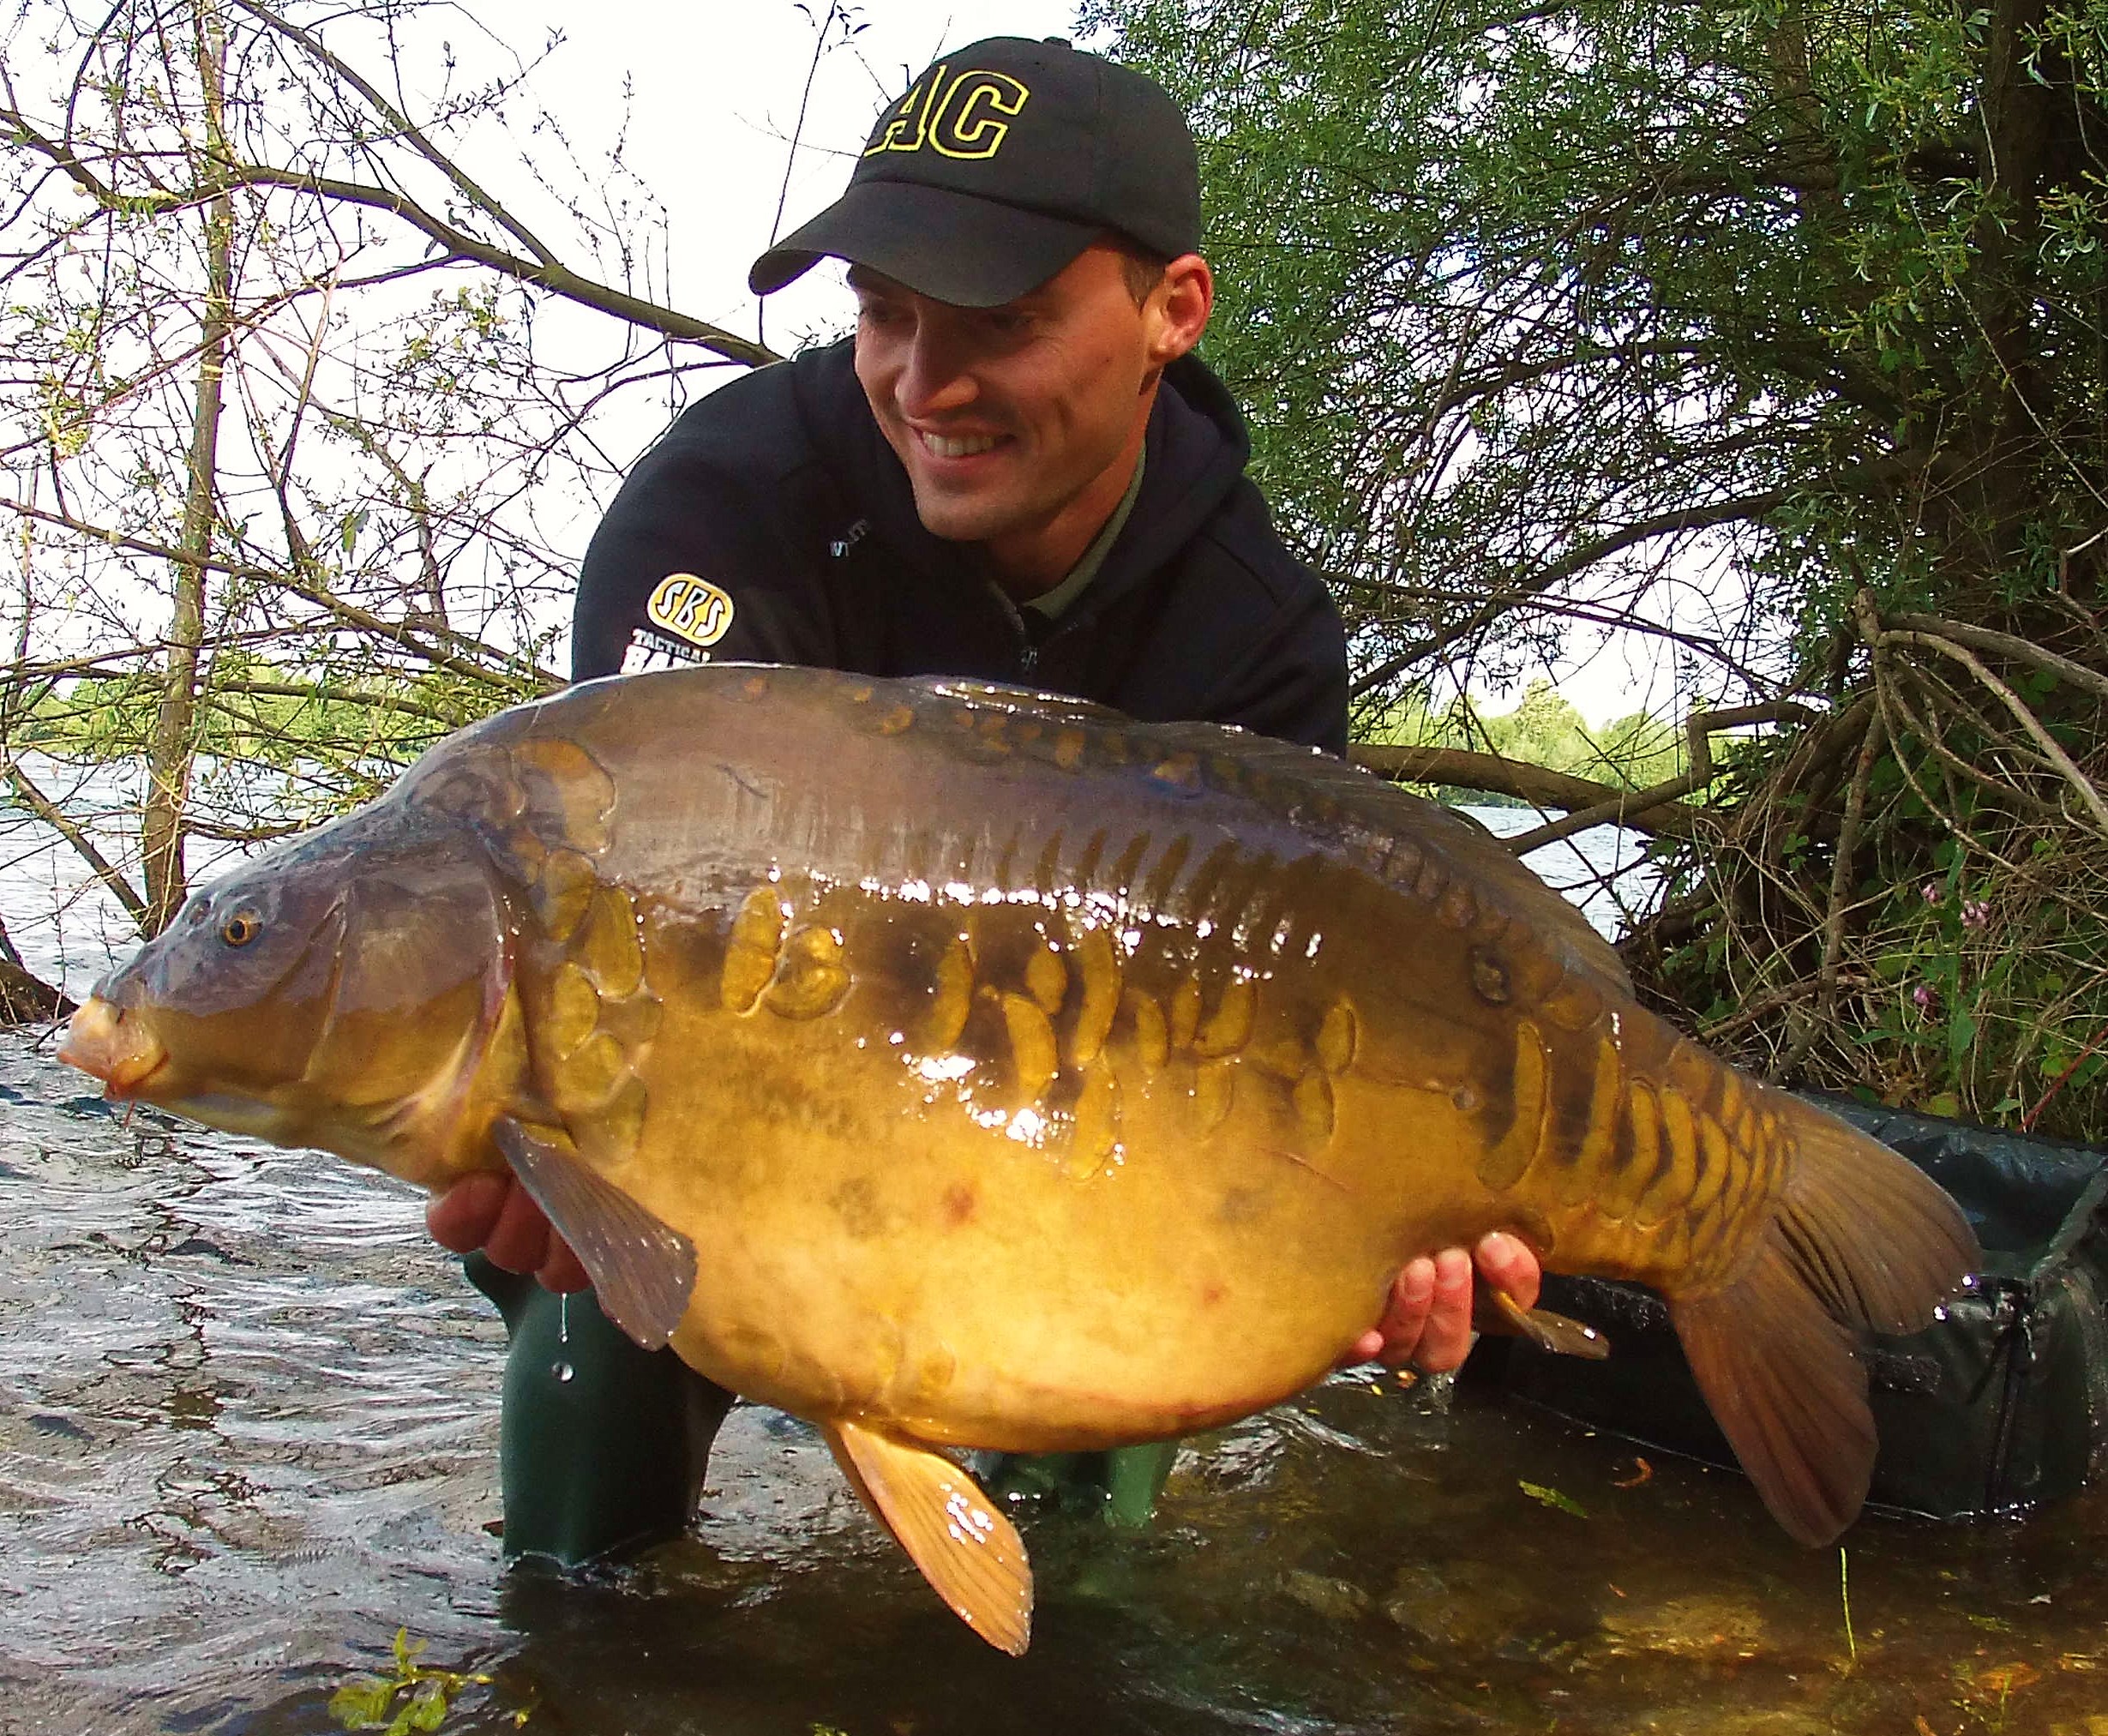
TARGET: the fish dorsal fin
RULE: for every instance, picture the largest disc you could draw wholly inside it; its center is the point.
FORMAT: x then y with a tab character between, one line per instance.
1466	848
1287	775
1036	701
643	1270
968	1551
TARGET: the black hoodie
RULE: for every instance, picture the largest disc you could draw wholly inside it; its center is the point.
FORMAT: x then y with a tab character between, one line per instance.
780	492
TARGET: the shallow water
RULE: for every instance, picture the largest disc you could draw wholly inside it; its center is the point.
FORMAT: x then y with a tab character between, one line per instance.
248	1428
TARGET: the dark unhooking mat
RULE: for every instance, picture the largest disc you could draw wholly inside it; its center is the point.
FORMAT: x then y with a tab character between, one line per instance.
2001	1404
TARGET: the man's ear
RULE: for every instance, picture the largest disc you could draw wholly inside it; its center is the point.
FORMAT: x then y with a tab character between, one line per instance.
1178	308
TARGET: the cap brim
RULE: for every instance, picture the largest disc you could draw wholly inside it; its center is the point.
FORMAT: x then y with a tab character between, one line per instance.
952	247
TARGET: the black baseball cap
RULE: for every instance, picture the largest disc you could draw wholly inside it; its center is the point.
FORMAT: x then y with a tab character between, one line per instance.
1003	162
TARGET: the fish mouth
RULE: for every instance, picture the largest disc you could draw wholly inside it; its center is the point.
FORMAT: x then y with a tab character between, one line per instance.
104	1044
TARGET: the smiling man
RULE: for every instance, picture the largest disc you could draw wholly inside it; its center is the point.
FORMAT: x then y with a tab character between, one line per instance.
1018	471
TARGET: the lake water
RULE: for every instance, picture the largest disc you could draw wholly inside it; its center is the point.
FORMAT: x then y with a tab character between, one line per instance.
249	1428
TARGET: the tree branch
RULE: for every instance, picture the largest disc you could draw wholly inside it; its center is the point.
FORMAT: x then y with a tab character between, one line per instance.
1535	784
542	272
1622	807
552	275
403	125
48	811
531	675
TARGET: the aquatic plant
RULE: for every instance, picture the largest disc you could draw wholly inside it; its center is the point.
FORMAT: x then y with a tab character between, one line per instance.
416	1697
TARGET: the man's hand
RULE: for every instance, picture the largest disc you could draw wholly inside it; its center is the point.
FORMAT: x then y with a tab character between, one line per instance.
1427	1315
493	1213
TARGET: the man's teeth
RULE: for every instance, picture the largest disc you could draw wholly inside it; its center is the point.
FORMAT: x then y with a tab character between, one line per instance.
945	447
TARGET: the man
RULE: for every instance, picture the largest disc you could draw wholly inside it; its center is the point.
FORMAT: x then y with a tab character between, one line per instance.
1018	472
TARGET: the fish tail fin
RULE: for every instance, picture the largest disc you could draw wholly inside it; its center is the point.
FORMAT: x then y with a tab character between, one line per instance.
1859	1240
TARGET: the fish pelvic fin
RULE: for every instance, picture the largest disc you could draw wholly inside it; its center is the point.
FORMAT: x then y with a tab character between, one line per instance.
1500	1312
966	1548
1859	1240
643	1269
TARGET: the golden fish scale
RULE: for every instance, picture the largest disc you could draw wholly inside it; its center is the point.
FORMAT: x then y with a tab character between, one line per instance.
868	1210
938	1125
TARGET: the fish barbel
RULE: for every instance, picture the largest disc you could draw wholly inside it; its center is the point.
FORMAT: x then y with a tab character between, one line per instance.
959	1067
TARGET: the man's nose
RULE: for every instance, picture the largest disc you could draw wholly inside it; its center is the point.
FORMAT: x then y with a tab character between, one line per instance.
936	379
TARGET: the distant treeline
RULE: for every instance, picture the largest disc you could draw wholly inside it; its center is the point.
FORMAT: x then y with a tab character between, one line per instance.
252	710
1632	751
258	713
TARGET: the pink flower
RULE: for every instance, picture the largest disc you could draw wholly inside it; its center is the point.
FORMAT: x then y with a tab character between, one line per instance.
1922	995
1976	913
1931	893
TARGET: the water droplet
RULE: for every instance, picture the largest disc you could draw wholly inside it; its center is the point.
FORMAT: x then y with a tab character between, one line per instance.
562	1370
563	1322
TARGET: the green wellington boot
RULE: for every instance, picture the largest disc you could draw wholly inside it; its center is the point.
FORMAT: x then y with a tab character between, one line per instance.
1122	1484
603	1446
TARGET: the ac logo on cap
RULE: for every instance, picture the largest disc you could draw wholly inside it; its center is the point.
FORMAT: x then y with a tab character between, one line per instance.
954	116
692	608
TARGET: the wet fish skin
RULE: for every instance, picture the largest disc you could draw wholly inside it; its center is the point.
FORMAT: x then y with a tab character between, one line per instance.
1011	1074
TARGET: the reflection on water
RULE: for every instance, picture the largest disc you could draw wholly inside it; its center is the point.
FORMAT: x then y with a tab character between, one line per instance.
248	1428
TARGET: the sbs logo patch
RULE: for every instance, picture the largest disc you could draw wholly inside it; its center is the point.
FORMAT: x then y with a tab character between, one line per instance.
691	609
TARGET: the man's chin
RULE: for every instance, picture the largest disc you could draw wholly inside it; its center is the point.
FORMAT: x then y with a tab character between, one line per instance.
957	516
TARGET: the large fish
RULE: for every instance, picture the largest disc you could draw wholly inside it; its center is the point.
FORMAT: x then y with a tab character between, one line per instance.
959	1067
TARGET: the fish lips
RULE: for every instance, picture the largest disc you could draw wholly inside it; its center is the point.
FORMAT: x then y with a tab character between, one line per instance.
122	1051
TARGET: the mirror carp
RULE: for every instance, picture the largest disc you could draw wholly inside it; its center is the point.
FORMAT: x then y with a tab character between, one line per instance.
958	1066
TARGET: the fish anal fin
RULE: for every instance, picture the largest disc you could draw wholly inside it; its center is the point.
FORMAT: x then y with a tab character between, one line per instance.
1547	1331
643	1269
966	1548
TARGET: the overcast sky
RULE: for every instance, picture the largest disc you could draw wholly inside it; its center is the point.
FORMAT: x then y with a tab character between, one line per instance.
715	92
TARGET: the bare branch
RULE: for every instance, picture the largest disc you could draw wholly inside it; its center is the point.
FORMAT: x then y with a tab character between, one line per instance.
53	816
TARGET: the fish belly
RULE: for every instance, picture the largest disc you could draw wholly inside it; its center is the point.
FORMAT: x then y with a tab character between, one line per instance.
864	1252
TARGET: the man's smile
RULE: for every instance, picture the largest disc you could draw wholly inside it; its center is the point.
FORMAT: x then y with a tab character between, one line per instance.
957	445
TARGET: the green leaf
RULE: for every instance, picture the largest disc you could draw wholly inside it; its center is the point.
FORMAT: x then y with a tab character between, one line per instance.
364	1704
427	1707
1960	1035
1552	1498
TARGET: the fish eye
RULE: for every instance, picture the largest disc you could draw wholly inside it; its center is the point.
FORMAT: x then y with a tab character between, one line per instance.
240	928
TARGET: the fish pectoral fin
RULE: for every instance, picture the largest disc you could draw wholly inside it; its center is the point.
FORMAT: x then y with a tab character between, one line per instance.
1543	1328
643	1270
968	1550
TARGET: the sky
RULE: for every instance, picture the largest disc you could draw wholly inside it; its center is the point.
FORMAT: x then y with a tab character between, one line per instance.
713	98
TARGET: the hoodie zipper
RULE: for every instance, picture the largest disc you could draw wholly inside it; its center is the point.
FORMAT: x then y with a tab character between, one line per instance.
1028	647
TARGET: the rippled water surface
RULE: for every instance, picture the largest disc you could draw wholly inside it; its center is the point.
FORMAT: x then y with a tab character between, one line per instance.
249	1423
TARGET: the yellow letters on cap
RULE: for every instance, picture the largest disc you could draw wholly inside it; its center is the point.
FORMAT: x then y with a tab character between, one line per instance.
963	125
955	116
912	112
